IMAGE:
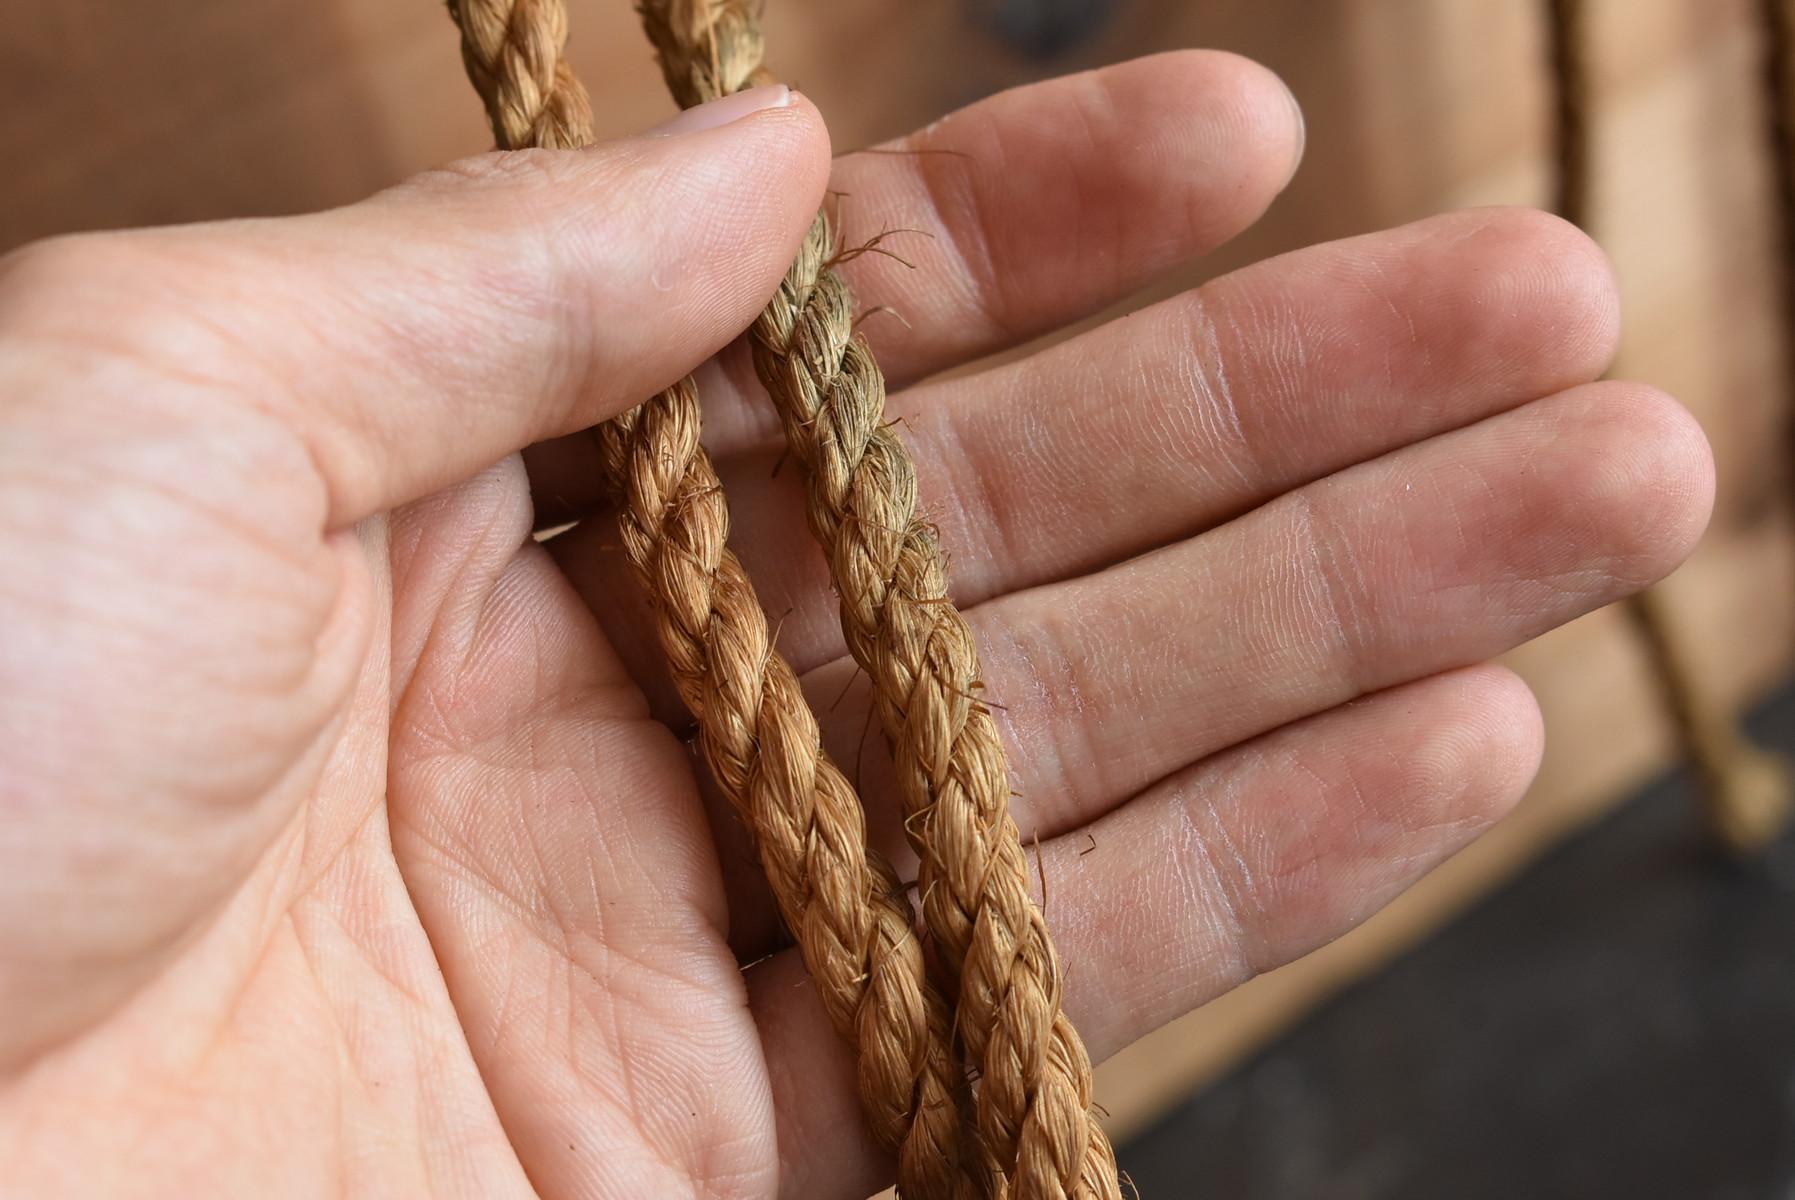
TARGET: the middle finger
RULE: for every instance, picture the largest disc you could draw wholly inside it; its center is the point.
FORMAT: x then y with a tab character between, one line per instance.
1160	425
1437	556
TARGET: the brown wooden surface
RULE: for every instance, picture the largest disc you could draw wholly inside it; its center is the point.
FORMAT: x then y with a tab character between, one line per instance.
118	112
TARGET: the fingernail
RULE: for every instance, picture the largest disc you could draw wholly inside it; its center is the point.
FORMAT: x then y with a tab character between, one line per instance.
722	111
1302	133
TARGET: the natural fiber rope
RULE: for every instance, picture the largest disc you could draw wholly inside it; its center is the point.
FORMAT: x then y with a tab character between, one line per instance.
1034	1101
1746	792
1776	18
1570	109
841	901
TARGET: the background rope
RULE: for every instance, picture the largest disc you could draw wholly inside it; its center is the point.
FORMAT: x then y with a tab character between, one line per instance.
1746	791
1034	1099
759	738
1776	18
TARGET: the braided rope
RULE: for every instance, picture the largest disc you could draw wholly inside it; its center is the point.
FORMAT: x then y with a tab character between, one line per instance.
842	902
513	54
1034	1099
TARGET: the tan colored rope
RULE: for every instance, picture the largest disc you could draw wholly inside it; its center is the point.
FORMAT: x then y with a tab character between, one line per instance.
1034	1101
513	51
842	902
1776	21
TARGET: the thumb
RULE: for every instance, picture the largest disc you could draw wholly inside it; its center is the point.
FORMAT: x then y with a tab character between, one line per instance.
184	412
411	339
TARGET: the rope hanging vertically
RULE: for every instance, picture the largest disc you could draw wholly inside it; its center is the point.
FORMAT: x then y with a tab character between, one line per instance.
1776	19
1034	1099
1746	792
1570	111
842	902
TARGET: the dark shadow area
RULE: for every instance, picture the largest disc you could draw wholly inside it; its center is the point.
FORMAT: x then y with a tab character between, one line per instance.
1618	1022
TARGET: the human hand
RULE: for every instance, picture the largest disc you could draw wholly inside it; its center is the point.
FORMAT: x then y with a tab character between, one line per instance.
350	843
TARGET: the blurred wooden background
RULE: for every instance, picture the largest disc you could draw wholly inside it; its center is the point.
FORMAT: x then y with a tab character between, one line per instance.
116	112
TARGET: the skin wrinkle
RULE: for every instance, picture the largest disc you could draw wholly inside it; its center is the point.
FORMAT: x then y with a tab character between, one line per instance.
575	966
323	1005
1082	101
945	179
356	456
1240	890
1297	876
1289	344
1378	285
1172	431
311	571
1326	568
1195	852
438	632
1205	376
509	290
1443	786
472	864
1046	660
987	540
273	919
633	1099
362	952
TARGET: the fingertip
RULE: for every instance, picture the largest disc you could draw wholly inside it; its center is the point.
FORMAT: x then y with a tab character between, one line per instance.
1269	118
773	134
1238	118
1640	477
1541	282
803	114
716	219
1447	756
1504	735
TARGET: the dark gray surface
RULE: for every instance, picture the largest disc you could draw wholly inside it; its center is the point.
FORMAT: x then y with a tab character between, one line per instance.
1617	1022
1041	29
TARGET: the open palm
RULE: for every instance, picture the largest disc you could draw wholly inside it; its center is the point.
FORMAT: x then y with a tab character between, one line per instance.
353	842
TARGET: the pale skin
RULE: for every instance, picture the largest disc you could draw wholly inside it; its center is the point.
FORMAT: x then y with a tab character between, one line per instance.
350	845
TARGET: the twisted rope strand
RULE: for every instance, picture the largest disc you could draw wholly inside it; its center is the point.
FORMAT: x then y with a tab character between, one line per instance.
512	50
760	740
1034	1100
843	903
